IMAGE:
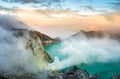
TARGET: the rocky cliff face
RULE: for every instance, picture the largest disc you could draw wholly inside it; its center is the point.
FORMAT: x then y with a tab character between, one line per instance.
34	42
46	39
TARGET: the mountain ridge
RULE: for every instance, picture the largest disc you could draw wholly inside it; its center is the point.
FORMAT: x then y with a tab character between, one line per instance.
95	34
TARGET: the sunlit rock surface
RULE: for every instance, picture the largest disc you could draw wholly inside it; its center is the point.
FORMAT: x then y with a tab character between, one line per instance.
33	42
46	40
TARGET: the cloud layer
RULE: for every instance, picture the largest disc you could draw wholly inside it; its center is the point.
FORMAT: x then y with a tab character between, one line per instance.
55	21
74	5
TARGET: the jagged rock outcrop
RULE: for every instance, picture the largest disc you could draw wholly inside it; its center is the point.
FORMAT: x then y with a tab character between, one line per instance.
75	73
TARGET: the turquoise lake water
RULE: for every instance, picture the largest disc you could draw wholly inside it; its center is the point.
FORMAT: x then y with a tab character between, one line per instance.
104	69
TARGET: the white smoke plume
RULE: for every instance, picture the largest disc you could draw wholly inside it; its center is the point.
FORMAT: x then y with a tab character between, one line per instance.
15	59
84	50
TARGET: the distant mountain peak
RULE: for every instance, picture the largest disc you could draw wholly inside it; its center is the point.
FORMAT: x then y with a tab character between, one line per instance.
95	34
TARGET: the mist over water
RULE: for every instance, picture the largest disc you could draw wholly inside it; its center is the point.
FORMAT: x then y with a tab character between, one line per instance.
87	51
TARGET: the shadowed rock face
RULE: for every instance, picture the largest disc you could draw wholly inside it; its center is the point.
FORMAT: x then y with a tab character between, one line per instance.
89	34
75	73
3	78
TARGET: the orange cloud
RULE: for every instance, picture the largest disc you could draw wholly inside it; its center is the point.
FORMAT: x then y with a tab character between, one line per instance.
69	20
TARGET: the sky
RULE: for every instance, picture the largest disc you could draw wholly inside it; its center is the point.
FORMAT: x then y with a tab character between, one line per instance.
61	18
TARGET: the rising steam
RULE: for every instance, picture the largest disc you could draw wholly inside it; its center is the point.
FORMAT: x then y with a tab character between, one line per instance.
15	59
84	50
